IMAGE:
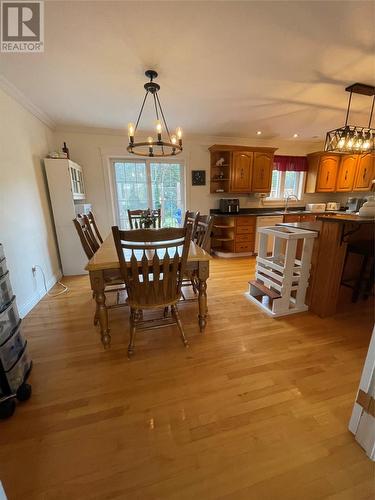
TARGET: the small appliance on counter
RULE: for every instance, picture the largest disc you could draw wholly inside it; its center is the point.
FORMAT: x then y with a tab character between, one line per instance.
82	208
229	205
315	207
333	206
354	204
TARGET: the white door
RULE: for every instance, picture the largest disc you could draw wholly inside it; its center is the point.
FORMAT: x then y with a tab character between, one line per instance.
362	422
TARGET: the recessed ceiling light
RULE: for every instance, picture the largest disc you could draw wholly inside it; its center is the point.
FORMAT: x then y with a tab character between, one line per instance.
295	135
259	132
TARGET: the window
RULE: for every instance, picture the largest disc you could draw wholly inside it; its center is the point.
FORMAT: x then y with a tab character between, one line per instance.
286	184
142	184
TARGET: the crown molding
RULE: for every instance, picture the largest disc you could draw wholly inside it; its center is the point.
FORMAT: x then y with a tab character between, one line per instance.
12	91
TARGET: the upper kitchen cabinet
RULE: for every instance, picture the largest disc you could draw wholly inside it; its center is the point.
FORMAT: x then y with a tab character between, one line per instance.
322	173
241	169
365	172
262	172
346	174
330	172
241	172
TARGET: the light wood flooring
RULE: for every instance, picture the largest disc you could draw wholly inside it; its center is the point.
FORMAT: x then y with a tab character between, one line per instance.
256	408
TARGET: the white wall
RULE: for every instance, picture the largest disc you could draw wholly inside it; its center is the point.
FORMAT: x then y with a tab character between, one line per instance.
87	147
25	222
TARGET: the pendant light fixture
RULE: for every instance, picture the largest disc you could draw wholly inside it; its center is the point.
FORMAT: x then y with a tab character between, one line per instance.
154	147
352	138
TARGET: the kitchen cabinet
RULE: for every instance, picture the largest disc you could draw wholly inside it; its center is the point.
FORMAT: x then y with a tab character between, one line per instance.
365	172
337	172
299	218
262	172
240	169
327	174
346	173
233	235
241	172
322	173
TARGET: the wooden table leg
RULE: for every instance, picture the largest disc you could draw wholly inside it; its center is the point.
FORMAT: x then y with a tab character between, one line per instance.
203	272
98	285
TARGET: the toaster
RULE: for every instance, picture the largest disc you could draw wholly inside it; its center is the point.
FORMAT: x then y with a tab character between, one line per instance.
333	205
316	207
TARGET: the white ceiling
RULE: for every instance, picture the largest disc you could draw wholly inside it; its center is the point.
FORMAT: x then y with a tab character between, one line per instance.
225	68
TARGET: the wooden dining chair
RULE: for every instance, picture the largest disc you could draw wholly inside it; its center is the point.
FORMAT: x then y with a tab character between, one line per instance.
90	246
136	218
203	231
202	237
152	264
94	226
192	219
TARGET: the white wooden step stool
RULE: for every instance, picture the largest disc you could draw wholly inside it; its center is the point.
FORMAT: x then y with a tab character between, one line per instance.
282	279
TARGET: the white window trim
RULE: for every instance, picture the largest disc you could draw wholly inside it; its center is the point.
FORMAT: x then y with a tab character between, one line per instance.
301	183
108	155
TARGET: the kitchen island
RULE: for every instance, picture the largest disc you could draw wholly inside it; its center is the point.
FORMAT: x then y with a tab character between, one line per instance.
329	257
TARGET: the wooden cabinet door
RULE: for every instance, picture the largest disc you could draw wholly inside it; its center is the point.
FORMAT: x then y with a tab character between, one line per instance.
365	172
308	218
327	174
292	218
242	163
262	172
347	171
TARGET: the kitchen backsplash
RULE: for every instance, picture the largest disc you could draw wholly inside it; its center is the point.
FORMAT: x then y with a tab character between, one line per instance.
252	201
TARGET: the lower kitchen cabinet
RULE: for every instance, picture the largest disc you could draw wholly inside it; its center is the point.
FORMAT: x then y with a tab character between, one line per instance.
234	235
299	218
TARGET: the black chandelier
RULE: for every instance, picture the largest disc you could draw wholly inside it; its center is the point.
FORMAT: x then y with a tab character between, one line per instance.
158	147
350	138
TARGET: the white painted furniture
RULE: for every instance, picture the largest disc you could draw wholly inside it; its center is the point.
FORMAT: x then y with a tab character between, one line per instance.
66	189
362	421
282	279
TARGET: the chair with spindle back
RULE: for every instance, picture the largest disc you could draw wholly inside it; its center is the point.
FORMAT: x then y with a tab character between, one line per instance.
89	244
137	218
94	226
90	247
203	231
202	236
152	264
192	219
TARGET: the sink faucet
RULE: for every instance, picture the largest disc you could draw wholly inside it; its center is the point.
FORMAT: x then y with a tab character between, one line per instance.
289	197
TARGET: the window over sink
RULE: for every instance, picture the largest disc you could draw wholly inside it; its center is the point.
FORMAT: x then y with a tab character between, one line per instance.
286	184
149	183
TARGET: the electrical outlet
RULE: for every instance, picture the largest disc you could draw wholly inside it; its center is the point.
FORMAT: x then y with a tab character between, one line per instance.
33	270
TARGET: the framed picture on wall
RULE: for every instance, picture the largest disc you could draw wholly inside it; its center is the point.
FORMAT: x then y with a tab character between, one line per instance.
198	177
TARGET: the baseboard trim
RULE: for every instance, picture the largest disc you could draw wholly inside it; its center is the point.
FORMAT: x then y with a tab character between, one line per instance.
27	306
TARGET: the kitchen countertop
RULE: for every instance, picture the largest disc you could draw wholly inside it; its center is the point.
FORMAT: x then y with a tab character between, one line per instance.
344	217
308	226
260	212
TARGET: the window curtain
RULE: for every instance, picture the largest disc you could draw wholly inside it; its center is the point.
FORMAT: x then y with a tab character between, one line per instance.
290	163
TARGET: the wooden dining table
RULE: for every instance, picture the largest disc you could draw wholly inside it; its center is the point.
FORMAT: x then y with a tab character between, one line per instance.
104	267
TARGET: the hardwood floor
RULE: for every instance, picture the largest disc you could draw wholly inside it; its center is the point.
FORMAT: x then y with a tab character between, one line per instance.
255	408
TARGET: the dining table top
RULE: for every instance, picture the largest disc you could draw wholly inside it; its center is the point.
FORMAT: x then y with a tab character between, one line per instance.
106	256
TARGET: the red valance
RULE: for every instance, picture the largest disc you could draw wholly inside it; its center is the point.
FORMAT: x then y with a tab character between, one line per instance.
290	163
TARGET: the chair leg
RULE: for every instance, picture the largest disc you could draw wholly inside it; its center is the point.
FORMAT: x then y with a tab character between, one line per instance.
132	324
194	286
359	282
176	316
166	310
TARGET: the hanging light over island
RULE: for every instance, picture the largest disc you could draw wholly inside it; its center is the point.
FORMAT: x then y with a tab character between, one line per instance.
159	147
353	138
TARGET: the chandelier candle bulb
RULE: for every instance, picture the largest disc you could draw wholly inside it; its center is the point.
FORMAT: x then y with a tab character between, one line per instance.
131	131
158	129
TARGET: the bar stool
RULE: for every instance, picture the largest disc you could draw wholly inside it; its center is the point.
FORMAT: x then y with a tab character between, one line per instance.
363	283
